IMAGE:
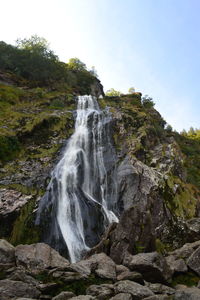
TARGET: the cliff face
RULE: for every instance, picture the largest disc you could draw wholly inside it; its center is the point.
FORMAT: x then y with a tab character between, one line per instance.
155	197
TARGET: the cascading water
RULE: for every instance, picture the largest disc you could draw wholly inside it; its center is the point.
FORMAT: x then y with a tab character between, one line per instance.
81	199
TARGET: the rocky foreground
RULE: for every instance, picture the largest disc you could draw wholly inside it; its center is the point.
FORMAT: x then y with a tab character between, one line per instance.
39	272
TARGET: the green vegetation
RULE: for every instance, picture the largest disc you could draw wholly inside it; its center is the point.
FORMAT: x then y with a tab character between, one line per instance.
33	64
188	279
24	230
113	93
78	287
189	143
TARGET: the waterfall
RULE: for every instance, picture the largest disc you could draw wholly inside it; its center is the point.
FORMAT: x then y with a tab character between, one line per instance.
81	197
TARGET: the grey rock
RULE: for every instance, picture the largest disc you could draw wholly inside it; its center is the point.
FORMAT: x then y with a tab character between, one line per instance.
187	294
122	296
10	289
177	265
64	296
101	264
159	297
185	251
136	290
82	297
7	253
194	261
158	288
134	276
101	292
20	275
152	266
37	257
120	269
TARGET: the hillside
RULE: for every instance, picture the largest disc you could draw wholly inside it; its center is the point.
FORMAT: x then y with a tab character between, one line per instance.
156	170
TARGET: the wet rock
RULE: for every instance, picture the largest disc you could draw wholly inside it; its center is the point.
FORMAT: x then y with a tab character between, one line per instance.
136	290
123	238
64	296
152	266
10	289
133	276
122	296
194	261
101	292
187	294
37	257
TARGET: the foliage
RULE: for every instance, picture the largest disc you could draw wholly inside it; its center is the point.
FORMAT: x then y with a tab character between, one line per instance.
147	101
9	147
189	143
113	93
76	64
33	61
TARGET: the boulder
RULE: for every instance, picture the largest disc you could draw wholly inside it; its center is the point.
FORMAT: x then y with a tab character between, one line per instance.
153	266
120	269
10	289
136	290
37	257
102	265
134	276
101	292
82	297
176	265
21	275
187	294
7	253
158	288
122	296
185	251
64	296
194	261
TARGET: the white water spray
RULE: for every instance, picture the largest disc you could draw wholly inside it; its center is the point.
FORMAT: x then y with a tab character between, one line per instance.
81	180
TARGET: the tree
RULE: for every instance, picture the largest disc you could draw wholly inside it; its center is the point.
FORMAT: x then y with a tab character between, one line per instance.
169	128
147	101
36	45
131	90
113	93
76	64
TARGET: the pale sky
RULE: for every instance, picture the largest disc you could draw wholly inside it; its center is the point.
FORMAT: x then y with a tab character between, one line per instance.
152	45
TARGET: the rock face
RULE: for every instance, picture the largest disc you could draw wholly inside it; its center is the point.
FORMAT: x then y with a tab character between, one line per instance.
152	266
37	257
